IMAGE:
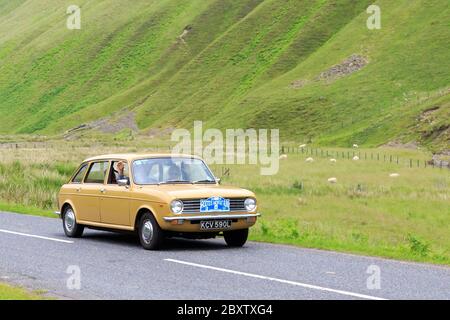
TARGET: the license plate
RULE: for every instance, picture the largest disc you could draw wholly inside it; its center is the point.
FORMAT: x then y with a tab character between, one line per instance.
215	224
215	204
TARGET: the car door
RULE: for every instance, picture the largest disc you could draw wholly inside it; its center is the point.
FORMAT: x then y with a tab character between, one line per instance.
115	199
73	189
88	206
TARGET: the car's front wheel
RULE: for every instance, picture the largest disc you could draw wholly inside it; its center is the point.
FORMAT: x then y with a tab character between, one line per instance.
150	234
71	228
236	238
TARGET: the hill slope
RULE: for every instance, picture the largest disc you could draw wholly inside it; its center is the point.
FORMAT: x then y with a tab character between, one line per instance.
250	63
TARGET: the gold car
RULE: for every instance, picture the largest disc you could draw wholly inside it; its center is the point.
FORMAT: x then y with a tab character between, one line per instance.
157	196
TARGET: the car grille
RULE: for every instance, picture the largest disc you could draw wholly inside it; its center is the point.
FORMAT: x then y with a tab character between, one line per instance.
193	205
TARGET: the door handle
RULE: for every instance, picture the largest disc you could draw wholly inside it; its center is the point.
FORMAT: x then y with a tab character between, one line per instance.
102	190
78	189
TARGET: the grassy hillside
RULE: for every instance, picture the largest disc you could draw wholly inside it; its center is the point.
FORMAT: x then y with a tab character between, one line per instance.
248	63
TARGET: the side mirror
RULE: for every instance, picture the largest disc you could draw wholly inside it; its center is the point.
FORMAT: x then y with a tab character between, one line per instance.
123	182
217	180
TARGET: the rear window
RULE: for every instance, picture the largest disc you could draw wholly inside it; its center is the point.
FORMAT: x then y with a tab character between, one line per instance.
80	174
97	172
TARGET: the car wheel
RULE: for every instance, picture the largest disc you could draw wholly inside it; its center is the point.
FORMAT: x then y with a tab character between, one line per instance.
71	228
150	234
236	238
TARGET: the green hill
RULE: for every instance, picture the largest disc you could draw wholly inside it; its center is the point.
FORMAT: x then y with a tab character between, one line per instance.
309	67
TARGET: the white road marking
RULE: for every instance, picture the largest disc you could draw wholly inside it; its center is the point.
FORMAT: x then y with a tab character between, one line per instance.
35	236
305	285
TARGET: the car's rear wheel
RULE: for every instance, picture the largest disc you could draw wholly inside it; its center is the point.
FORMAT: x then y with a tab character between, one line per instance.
236	238
150	234
71	228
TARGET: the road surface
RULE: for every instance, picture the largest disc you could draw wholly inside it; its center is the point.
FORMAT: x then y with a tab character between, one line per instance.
35	253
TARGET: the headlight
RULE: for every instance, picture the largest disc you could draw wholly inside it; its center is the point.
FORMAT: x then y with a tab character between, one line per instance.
176	206
250	204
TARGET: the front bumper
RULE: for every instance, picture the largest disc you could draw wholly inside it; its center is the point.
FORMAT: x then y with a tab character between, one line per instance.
213	217
191	223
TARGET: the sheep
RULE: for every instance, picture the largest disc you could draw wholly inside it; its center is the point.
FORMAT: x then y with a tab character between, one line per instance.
302	146
283	156
394	175
333	160
309	159
332	180
355	158
355	146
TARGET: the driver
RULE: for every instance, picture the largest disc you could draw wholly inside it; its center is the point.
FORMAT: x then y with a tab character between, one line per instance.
174	173
120	172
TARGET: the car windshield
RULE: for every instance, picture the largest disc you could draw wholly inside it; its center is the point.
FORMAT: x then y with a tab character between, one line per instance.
171	170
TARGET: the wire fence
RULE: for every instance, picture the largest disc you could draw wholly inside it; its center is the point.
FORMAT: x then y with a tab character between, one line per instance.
316	152
364	155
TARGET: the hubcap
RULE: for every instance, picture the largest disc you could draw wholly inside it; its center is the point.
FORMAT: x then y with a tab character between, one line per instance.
147	231
69	220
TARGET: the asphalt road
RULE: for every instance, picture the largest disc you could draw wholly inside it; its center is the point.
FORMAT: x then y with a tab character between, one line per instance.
35	253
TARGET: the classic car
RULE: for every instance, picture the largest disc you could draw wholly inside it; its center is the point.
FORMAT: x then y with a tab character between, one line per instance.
155	196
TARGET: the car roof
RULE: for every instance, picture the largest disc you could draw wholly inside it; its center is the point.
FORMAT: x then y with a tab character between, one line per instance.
134	156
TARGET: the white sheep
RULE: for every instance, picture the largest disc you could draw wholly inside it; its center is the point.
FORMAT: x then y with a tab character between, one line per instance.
394	175
355	145
355	158
302	146
333	160
309	159
283	156
332	180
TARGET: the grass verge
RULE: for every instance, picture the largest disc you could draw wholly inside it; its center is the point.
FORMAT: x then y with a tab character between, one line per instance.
8	292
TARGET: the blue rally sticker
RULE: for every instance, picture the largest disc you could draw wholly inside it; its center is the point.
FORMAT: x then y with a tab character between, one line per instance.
217	204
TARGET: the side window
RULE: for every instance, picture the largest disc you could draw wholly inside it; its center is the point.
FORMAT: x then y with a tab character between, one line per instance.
80	174
119	170
97	172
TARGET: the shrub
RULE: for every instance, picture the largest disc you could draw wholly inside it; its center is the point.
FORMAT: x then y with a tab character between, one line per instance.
417	246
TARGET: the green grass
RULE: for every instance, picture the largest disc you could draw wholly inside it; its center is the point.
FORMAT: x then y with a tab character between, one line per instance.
239	57
8	292
26	209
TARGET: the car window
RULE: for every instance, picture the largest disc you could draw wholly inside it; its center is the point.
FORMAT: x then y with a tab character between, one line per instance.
162	170
80	174
114	172
97	172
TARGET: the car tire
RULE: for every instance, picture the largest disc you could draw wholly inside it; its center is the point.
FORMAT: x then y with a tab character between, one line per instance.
151	235
71	228
236	238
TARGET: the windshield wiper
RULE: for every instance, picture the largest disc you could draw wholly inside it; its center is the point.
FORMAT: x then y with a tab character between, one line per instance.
174	182
204	181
